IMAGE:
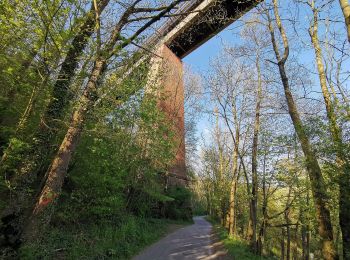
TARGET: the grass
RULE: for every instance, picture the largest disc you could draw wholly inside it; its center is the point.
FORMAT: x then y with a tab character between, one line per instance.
103	241
236	247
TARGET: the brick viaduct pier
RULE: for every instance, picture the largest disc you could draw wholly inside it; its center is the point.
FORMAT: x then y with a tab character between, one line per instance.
195	22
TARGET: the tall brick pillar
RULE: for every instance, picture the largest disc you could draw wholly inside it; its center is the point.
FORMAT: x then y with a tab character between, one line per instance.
169	72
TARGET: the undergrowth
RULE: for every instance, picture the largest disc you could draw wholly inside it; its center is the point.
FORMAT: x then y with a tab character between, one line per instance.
102	241
237	248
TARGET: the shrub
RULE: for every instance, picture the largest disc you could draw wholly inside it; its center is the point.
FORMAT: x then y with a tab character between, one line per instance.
180	207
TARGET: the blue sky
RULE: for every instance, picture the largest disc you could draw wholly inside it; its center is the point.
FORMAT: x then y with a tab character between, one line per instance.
199	60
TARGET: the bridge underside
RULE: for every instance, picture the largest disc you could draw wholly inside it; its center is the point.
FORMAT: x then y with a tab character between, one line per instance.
180	37
206	19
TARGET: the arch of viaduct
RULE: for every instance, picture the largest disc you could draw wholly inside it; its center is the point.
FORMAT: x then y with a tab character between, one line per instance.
177	38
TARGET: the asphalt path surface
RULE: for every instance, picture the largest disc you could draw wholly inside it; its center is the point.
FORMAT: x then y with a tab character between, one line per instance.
196	241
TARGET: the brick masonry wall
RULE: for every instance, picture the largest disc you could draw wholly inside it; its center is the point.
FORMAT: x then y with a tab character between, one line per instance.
172	103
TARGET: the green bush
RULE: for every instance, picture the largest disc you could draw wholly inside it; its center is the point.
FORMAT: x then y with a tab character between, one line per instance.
199	210
236	247
180	206
101	241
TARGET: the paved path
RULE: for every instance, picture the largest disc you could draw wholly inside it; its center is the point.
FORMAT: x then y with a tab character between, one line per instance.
192	242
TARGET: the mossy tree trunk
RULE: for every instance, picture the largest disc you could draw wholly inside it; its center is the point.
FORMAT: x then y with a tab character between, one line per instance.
57	172
342	159
29	176
41	214
316	179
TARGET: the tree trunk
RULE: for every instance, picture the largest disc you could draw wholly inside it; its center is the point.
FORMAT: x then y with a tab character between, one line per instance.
342	160
249	235
308	234
288	234
303	242
48	127
317	183
227	221
254	199
224	215
282	244
287	221
262	231
232	206
308	239
232	200
13	216
304	236
344	211
40	216
295	244
346	12
315	175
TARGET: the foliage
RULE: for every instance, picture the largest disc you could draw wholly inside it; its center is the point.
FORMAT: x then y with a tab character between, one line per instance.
288	197
114	188
62	68
126	143
237	248
179	207
107	240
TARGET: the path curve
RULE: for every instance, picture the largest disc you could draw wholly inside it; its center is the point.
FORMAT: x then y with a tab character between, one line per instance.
192	242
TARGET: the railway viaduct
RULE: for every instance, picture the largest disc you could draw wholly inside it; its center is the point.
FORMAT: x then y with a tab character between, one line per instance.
194	23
